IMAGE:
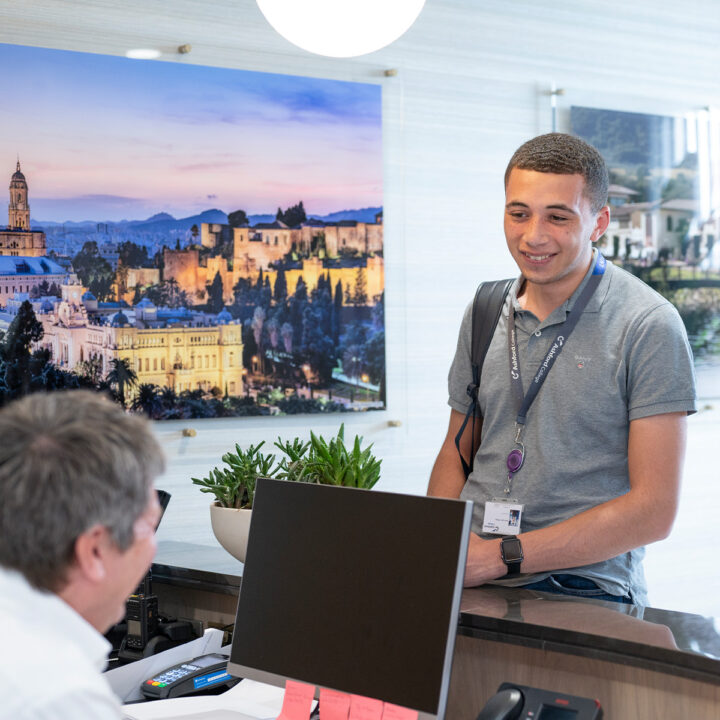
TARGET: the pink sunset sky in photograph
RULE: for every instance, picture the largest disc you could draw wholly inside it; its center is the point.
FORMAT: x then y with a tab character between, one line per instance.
106	139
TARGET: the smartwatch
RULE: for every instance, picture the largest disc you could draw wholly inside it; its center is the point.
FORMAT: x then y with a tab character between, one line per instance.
512	554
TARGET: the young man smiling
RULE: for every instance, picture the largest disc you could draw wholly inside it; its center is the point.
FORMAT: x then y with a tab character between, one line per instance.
584	395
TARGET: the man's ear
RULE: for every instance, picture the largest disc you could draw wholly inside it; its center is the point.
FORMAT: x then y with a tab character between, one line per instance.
601	223
91	553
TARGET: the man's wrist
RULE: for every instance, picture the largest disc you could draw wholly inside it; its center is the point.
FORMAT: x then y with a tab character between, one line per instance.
484	563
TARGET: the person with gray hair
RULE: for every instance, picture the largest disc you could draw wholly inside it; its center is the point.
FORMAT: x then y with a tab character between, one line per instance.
78	512
583	397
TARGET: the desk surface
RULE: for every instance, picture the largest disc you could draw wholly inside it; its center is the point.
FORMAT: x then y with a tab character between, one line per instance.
663	640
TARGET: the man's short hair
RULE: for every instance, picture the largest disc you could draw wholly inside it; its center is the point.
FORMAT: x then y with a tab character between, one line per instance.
68	461
564	155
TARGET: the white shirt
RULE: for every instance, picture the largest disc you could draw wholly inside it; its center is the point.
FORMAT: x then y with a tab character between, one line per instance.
52	659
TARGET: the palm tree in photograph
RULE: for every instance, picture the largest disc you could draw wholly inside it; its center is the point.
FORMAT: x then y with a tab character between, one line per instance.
121	376
147	400
168	396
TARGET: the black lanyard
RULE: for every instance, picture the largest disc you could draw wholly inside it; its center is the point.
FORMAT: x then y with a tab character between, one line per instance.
523	401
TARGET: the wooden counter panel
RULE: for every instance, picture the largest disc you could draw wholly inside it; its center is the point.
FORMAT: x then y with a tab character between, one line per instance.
213	609
625	693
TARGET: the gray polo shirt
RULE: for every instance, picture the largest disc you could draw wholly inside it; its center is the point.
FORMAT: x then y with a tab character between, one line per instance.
627	358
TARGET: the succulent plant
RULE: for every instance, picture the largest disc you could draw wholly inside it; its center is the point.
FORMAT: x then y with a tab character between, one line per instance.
317	461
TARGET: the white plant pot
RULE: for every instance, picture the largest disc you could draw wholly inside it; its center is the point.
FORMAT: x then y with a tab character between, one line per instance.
231	527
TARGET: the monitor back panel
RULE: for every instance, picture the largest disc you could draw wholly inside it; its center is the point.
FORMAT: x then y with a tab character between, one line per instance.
353	590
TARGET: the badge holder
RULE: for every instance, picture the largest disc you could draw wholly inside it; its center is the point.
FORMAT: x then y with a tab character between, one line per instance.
503	516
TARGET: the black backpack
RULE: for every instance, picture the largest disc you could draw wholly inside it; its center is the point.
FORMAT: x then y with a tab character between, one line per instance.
487	306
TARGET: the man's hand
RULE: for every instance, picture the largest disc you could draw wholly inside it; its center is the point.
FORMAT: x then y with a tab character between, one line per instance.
484	562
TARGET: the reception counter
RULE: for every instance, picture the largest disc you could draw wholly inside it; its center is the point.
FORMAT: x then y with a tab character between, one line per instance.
661	665
649	664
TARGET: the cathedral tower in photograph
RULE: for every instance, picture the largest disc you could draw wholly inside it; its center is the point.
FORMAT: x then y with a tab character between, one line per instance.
18	238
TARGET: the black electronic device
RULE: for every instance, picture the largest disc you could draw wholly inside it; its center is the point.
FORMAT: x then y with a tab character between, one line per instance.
193	676
353	590
163	498
145	586
141	608
169	634
503	705
141	613
520	702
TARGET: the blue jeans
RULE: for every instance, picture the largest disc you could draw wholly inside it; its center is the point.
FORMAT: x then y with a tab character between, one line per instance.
575	586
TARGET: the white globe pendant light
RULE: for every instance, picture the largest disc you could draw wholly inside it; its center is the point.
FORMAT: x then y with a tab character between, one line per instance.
341	28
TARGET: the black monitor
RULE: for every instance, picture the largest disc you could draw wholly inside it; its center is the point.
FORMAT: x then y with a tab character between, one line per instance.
353	590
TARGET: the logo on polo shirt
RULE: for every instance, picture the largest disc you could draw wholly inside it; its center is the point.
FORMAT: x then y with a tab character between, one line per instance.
581	361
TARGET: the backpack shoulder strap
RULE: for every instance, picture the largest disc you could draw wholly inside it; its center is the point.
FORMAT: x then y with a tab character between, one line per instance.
488	304
487	307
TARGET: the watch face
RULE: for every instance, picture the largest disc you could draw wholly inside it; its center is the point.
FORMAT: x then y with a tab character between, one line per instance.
511	550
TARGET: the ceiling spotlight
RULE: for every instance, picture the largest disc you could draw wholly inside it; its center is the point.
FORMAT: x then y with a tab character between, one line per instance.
143	54
341	28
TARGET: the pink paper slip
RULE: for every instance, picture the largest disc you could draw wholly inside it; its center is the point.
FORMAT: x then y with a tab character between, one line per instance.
297	703
395	712
334	705
363	708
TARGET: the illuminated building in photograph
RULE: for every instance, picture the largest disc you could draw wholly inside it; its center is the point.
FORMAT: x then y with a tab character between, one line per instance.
168	348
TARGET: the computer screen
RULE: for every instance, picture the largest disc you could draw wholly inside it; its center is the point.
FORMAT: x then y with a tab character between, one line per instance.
353	590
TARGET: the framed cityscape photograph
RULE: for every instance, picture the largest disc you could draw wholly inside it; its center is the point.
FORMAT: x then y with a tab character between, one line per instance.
664	200
194	241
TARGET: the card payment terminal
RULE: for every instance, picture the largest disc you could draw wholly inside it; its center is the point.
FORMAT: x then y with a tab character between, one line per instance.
520	702
193	676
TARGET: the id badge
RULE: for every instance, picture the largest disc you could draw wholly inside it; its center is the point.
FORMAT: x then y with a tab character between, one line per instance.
503	517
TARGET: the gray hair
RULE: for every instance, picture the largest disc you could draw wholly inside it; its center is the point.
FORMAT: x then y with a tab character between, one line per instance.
68	461
564	154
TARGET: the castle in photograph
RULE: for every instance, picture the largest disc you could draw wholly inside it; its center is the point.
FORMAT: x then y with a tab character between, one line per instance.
18	238
245	252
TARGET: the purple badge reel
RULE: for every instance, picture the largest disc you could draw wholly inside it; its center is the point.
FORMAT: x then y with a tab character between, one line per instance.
515	460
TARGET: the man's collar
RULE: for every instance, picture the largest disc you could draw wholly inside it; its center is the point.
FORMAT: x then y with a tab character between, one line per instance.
58	613
598	297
